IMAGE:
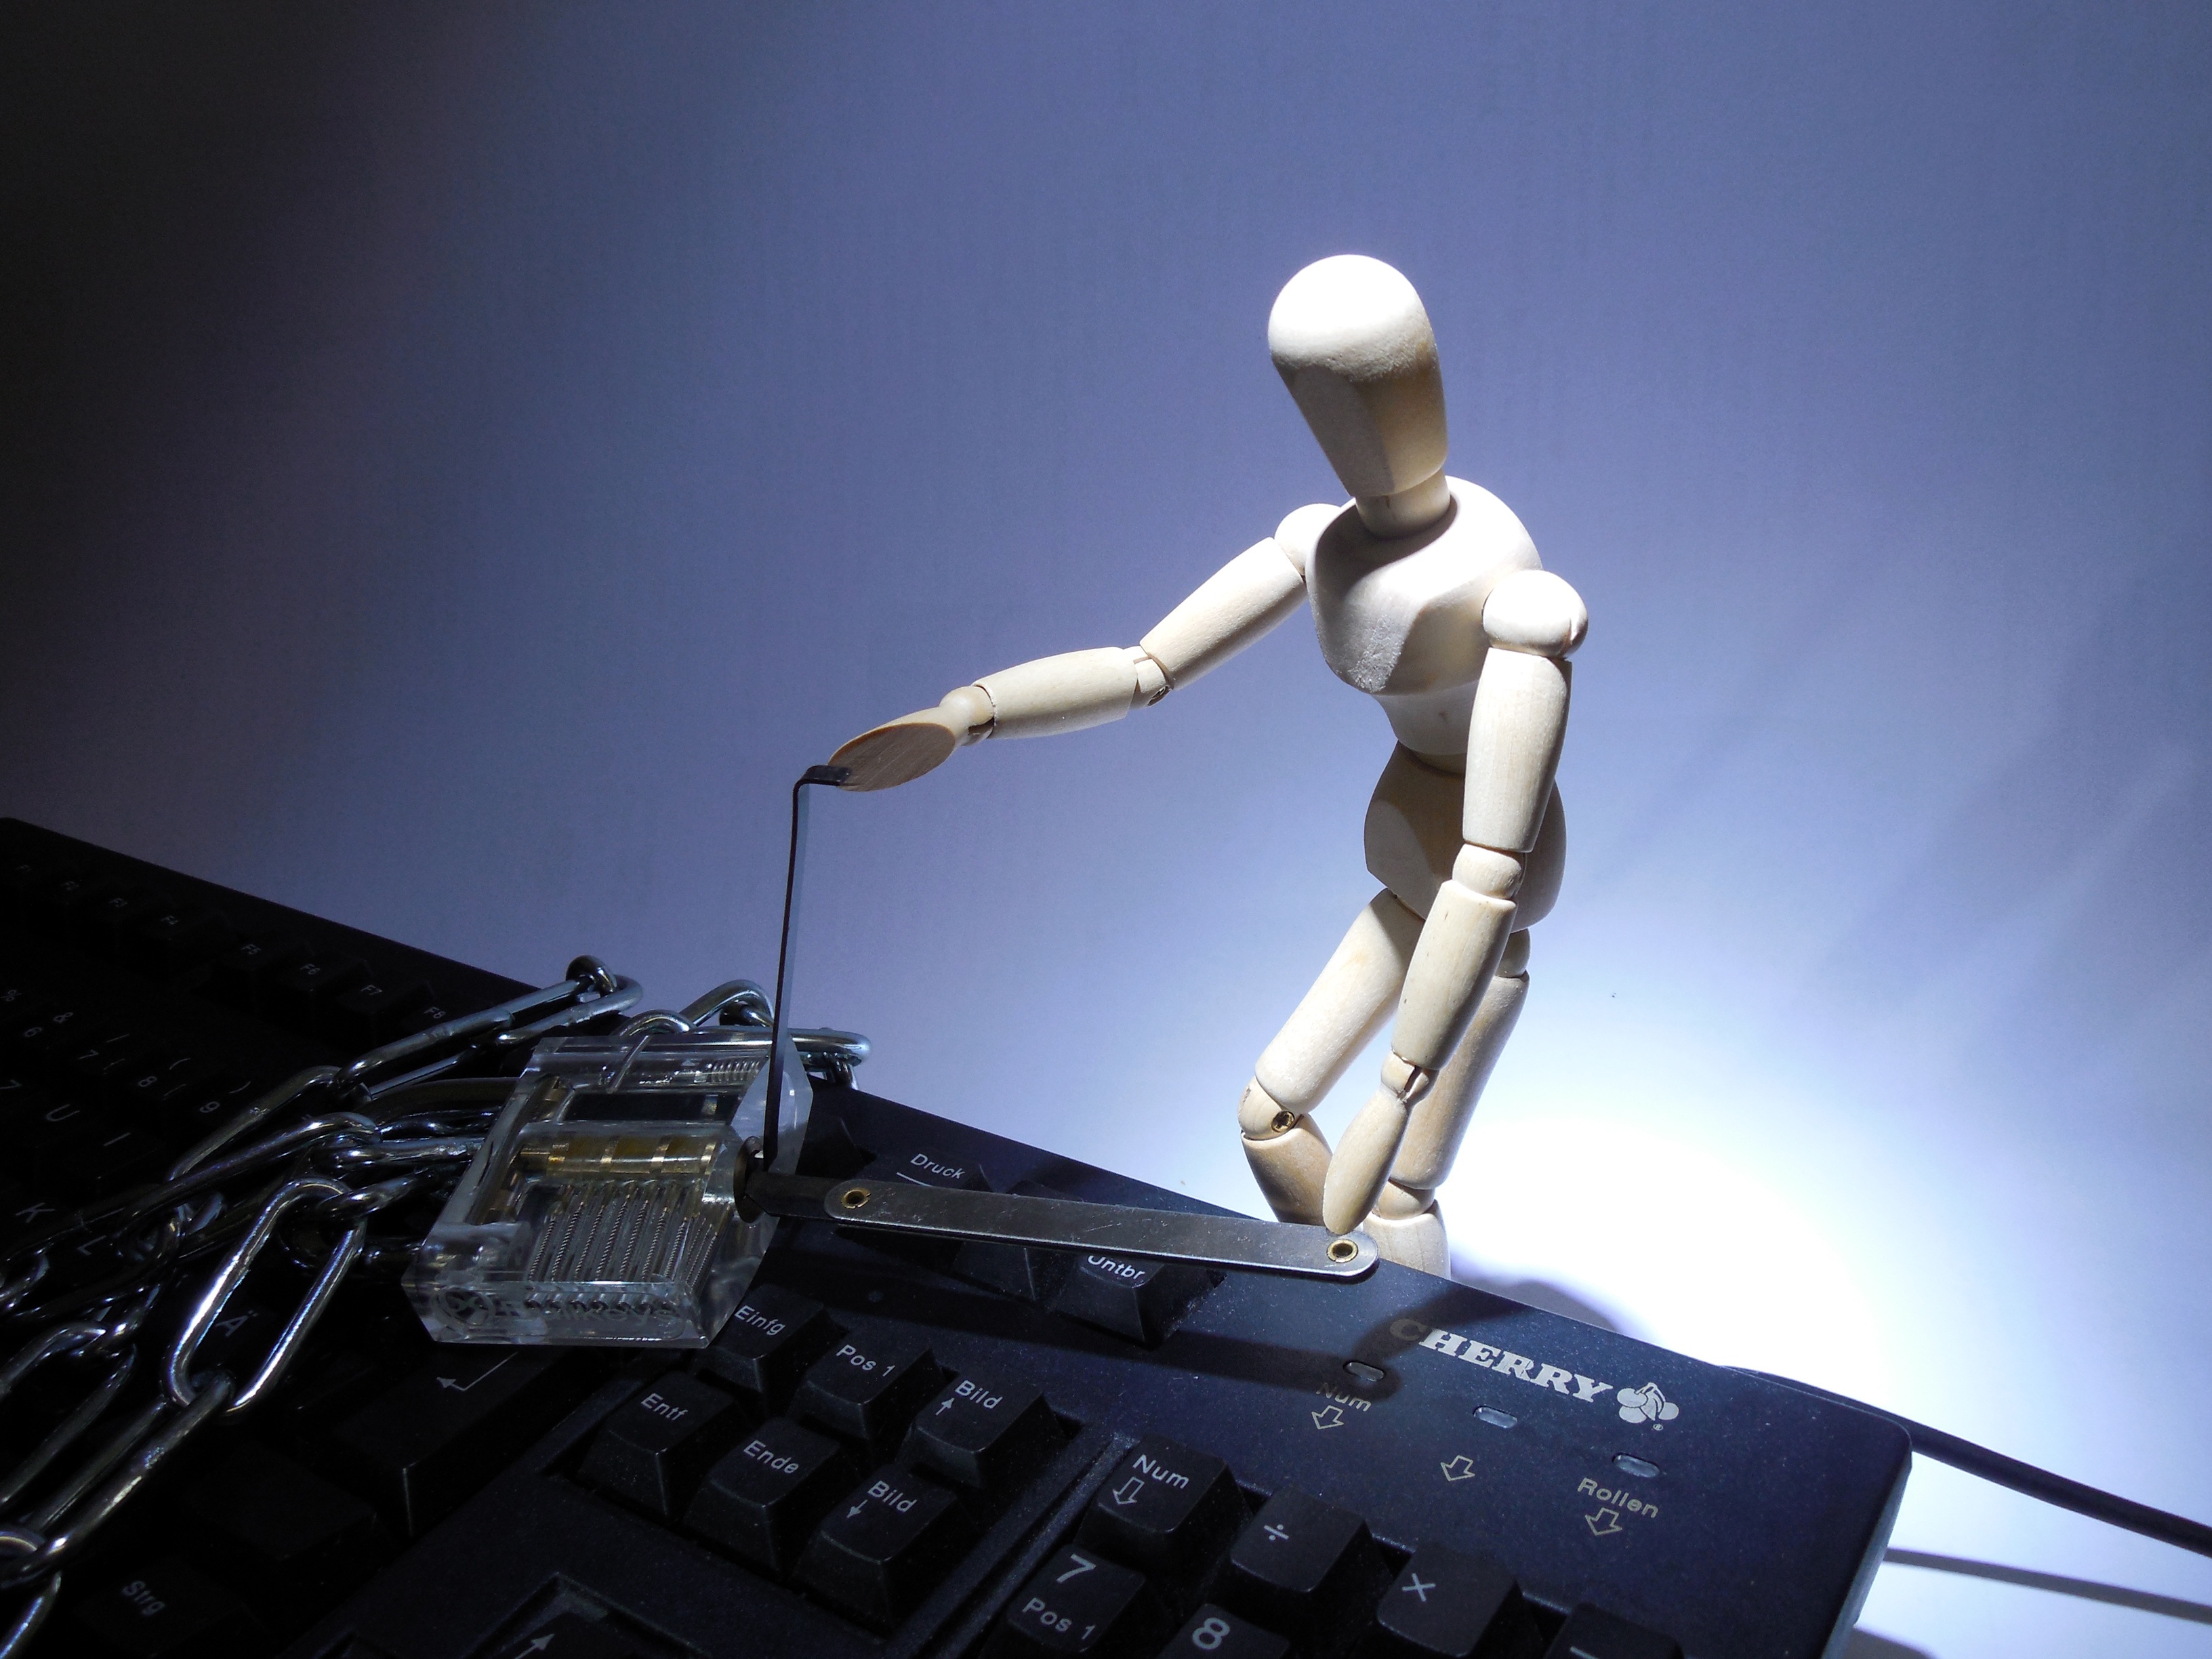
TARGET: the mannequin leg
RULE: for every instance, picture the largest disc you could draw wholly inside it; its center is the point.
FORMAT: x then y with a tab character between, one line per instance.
1406	1224
1338	1018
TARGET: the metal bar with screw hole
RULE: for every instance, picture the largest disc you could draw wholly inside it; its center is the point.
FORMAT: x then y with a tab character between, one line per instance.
1064	1224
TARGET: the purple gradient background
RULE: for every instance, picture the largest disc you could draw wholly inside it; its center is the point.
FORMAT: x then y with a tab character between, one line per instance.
463	462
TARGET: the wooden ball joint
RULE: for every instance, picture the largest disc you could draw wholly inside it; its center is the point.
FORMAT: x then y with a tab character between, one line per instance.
1428	595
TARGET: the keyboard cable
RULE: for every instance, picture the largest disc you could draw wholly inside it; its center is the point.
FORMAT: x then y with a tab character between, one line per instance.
2025	1478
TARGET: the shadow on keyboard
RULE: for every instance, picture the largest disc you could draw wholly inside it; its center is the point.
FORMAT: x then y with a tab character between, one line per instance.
892	1449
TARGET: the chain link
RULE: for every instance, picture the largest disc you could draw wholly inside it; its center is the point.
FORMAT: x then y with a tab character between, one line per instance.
244	1186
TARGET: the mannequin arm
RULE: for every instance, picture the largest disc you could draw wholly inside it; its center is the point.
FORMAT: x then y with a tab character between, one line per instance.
1534	621
1238	603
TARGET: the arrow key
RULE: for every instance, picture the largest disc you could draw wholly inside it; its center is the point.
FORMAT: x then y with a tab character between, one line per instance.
1449	1606
1167	1509
568	1636
985	1434
885	1544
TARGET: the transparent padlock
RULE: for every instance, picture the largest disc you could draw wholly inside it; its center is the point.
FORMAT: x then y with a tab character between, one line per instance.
602	1207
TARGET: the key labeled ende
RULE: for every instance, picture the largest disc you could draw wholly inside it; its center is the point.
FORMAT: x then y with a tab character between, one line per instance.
1166	1509
984	1433
765	1494
652	1449
1080	1606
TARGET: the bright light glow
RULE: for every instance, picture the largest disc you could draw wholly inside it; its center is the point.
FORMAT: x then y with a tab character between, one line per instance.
1691	1250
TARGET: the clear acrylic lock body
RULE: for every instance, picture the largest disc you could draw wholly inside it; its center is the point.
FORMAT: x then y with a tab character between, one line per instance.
602	1207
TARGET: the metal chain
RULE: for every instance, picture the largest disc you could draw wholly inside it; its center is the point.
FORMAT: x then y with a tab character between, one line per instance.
343	1165
390	1126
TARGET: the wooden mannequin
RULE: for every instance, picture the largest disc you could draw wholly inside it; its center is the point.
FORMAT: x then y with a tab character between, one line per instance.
1427	594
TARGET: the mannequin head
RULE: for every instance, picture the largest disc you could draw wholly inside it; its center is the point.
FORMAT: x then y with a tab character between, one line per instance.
1352	342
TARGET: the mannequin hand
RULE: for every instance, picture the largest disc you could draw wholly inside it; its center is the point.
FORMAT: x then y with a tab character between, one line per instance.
901	751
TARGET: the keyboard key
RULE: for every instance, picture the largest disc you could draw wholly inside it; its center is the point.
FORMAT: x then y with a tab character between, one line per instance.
102	1150
1217	1633
1130	1295
464	1415
1167	1509
48	1031
18	877
770	1491
139	1087
108	924
20	1005
100	1051
55	901
169	1610
176	938
194	1109
301	995
883	1546
322	1388
984	1434
1017	1270
567	1636
1593	1633
1446	1605
380	1011
652	1448
920	1168
239	975
928	1167
1305	1568
1078	1606
767	1344
46	1119
867	1389
283	1537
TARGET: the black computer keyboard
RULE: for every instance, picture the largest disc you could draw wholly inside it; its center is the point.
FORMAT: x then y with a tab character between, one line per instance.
892	1449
